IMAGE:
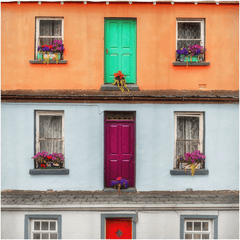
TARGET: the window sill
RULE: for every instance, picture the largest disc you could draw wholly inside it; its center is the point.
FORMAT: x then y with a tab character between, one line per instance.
61	171
188	172
191	63
110	87
50	62
130	189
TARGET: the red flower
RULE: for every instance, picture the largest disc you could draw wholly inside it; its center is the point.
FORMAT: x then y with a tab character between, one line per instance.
49	157
43	165
119	178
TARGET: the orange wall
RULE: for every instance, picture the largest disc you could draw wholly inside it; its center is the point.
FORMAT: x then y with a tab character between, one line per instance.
84	43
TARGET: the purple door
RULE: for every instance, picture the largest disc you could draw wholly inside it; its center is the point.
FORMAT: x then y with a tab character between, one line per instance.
119	151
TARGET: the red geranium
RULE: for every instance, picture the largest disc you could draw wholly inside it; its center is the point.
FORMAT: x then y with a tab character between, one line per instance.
119	74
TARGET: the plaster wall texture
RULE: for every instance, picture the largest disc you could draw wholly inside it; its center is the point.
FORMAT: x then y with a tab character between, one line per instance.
84	147
150	225
84	44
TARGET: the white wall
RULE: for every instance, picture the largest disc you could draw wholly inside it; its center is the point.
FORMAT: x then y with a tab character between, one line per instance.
87	225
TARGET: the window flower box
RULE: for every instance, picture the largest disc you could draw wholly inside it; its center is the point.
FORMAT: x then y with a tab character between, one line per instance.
44	160
53	51
192	160
184	58
50	55
192	53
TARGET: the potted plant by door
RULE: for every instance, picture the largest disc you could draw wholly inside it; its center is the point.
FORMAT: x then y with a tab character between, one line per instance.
192	160
120	81
119	184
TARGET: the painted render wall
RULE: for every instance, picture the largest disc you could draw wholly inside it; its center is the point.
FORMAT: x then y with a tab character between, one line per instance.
84	146
84	44
151	225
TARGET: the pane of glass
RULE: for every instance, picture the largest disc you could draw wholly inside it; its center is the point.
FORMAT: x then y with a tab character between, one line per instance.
187	135
52	225
44	226
186	43
36	236
50	126
45	235
197	236
53	235
47	41
189	30
197	226
205	226
187	128
36	225
188	236
205	236
189	226
51	146
191	128
50	28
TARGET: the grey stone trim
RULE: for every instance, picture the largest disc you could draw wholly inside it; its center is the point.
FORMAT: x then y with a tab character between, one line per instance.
131	189
28	217
103	222
211	217
188	172
50	62
191	63
61	171
110	87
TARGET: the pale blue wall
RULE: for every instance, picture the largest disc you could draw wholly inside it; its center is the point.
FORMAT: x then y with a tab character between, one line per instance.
84	149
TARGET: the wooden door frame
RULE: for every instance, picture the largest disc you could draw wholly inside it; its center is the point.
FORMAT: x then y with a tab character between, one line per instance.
104	42
105	143
129	216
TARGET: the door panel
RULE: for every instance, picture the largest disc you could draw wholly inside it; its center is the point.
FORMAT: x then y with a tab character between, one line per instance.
118	228
119	151
120	49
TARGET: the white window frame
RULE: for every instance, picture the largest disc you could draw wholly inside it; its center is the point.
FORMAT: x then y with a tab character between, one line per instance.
201	131
210	227
38	30
202	39
49	113
43	231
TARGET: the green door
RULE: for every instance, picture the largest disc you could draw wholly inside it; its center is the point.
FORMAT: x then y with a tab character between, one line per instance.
120	49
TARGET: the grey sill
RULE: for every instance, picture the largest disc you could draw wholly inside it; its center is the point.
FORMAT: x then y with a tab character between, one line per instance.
50	62
188	172
130	189
61	171
191	63
110	87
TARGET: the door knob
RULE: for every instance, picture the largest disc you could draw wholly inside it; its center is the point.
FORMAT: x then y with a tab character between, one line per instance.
106	51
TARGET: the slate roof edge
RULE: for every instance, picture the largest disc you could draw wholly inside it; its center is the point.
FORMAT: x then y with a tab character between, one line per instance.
101	192
142	95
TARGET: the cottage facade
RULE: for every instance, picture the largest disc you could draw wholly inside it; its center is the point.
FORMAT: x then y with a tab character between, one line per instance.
71	107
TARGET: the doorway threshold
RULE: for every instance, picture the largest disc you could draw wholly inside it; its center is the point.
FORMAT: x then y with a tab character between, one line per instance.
130	189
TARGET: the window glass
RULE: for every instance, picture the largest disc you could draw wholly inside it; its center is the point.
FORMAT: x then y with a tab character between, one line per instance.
50	27
36	225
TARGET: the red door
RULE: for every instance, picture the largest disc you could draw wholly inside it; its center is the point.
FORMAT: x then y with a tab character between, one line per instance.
118	228
119	151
